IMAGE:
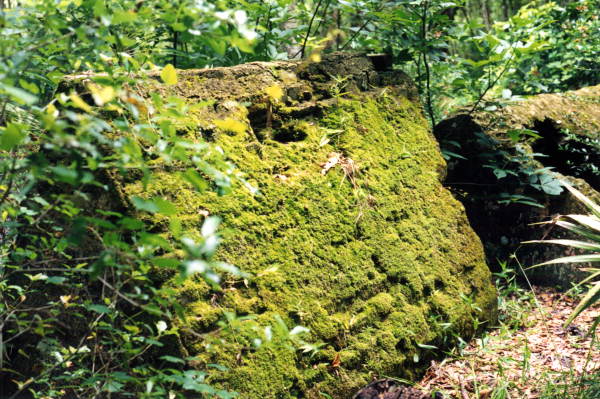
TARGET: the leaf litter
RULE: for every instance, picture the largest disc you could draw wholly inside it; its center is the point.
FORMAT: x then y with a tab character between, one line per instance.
523	361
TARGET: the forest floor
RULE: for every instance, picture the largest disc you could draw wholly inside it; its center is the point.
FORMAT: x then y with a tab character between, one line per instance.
529	356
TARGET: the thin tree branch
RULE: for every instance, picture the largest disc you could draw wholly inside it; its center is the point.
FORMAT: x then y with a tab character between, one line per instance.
312	19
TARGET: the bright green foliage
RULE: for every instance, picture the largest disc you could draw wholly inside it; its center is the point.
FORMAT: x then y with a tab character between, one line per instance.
570	38
79	296
82	309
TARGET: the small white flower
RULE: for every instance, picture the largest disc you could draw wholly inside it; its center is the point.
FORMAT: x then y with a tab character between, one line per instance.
161	326
195	266
240	17
223	15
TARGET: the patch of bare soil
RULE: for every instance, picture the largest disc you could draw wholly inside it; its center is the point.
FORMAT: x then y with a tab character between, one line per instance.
522	362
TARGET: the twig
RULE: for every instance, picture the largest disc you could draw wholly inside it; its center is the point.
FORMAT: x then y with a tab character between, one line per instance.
426	63
491	84
30	381
119	294
312	19
363	26
323	16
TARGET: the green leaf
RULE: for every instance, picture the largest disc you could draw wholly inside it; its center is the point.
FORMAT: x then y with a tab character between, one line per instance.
169	263
131	224
11	136
56	280
578	230
583	199
172	359
178	27
98	308
154	205
550	185
121	17
113	386
144	205
590	298
571	259
169	75
165	207
19	95
195	180
31	87
588	246
99	8
589	222
516	134
65	174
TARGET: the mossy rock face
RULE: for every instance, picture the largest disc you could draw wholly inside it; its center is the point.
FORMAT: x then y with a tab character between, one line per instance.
352	235
569	128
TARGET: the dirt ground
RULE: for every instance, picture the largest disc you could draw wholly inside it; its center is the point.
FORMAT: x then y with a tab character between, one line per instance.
525	360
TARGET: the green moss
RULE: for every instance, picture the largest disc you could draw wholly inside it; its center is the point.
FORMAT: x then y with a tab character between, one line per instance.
363	255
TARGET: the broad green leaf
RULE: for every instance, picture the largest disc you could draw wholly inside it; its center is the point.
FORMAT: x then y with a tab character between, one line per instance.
165	207
56	280
98	308
178	27
516	134
549	184
131	224
112	386
169	263
11	136
121	17
65	174
196	180
169	75
154	240
243	44
30	87
19	95
144	205
101	94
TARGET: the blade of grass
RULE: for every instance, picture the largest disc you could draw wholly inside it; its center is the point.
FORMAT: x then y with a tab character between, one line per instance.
582	198
592	296
570	259
569	243
591	222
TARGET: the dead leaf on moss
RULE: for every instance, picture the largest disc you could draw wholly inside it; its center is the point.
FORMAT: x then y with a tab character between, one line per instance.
349	167
332	160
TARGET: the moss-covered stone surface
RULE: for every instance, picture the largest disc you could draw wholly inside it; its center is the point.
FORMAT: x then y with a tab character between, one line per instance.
352	235
568	143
